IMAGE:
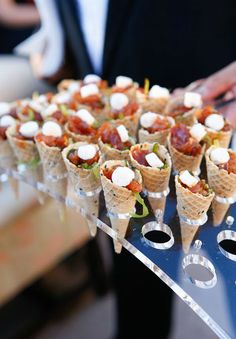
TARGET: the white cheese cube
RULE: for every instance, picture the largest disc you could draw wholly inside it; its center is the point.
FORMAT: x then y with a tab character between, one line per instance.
122	176
7	120
153	160
51	128
29	129
5	108
123	81
188	179
86	116
219	155
215	121
87	152
192	99
118	101
198	131
88	90
147	119
91	79
158	92
123	133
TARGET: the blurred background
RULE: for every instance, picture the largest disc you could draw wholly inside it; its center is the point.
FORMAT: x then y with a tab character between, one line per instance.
55	282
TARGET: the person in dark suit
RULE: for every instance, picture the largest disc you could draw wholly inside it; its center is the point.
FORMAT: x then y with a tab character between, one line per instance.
169	42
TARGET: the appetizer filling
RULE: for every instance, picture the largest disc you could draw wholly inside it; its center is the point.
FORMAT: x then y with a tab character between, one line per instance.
157	92
33	113
124	177
182	141
148	158
5	122
194	184
113	136
78	126
129	110
95	79
123	83
153	122
52	135
211	118
224	159
86	156
89	95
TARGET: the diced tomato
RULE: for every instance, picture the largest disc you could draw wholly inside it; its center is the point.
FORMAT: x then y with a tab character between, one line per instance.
134	186
3	133
182	141
159	125
230	166
127	111
78	126
116	89
200	188
51	141
109	135
139	155
76	160
57	115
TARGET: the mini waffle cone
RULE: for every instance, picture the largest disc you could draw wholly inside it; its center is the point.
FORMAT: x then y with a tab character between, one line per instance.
160	137
52	161
154	105
192	206
223	184
154	179
187	235
110	153
118	200
7	158
188	118
78	137
24	150
83	179
184	162
222	137
130	122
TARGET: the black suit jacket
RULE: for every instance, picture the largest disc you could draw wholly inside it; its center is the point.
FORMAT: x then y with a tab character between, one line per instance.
171	42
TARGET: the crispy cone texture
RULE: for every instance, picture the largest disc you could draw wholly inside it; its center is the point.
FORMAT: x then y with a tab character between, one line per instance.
192	206
118	200
154	179
154	105
224	185
85	180
222	137
110	153
130	122
187	118
184	162
78	137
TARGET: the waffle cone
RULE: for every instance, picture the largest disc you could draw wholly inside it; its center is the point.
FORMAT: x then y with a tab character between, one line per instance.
57	187
154	105
185	162
83	180
187	235
223	184
78	137
191	205
110	153
52	161
7	158
118	200
24	150
223	137
154	179
187	118
130	122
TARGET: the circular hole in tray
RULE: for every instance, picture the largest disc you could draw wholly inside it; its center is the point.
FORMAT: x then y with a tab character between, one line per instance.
158	235
199	270
227	244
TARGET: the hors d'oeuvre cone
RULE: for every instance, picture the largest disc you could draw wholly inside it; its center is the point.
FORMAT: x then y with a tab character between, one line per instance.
124	112
125	85
91	98
185	147
217	127
121	186
57	113
30	110
194	198
7	157
114	142
82	161
221	173
182	108
155	100
155	128
82	126
50	141
154	163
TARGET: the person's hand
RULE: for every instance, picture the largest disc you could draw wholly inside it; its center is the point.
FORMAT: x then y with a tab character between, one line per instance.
221	83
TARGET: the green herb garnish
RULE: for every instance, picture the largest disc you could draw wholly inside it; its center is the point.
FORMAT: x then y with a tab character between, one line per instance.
146	86
141	202
64	110
31	114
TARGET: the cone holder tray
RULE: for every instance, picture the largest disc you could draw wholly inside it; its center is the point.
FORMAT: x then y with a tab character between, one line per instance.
204	278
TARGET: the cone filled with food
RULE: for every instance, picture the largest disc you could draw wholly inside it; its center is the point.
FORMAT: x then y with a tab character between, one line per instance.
125	85
82	126
82	161
124	112
217	127
221	173
154	128
154	163
194	198
114	142
186	147
182	108
155	100
121	186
